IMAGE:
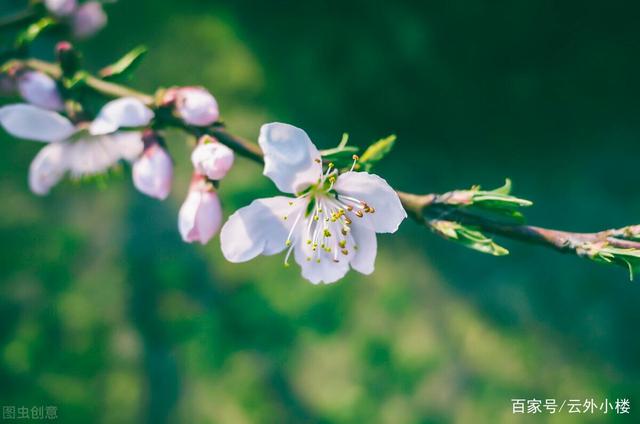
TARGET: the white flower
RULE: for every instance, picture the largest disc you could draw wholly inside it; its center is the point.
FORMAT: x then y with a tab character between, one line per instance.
196	106
88	19
61	7
332	223
77	149
212	158
200	216
40	90
153	172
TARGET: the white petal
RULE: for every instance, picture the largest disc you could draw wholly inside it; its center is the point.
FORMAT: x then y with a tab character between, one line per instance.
123	112
92	155
319	266
375	191
40	90
47	168
32	123
129	144
260	228
290	158
367	246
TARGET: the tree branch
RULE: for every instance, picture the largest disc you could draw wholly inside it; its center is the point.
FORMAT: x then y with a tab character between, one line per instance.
425	209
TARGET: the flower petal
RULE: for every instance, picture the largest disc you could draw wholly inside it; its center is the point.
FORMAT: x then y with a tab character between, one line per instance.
123	112
32	123
290	158
365	257
47	168
92	155
260	228
375	191
319	266
40	90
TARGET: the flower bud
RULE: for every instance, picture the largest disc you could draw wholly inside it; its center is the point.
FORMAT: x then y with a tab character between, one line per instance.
196	106
212	158
61	7
200	216
40	90
88	19
153	170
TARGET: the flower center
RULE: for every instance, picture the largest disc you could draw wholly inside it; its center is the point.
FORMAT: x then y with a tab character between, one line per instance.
324	225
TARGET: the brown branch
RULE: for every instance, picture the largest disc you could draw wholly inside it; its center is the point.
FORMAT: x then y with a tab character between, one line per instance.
419	207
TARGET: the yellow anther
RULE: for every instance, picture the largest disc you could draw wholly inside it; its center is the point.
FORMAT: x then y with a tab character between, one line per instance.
359	214
342	243
287	243
327	233
290	203
285	217
345	251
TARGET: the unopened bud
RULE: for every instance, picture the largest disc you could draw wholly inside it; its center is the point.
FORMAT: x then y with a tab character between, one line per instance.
200	215
153	171
88	19
61	7
196	106
212	159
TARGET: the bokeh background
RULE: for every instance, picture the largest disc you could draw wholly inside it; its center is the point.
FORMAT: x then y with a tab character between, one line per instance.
105	313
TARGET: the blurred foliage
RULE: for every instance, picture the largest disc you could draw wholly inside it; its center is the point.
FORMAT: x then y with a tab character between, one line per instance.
108	315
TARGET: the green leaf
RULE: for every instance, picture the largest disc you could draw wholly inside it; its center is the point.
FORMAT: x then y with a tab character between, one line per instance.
467	236
32	32
376	152
629	258
125	65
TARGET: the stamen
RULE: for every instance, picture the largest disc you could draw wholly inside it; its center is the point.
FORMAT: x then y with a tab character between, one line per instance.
355	160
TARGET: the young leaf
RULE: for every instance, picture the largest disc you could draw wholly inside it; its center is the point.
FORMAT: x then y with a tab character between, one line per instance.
32	32
125	65
467	236
376	152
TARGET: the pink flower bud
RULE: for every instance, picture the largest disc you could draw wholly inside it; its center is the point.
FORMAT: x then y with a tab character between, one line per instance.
200	216
196	106
88	19
153	171
41	90
61	7
212	158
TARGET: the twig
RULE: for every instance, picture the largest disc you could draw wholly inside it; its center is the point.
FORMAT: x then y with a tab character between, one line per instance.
422	208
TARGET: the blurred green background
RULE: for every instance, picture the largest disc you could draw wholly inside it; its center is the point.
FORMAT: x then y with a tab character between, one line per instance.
105	313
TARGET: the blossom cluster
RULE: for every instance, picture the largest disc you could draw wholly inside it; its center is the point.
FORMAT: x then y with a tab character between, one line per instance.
326	220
